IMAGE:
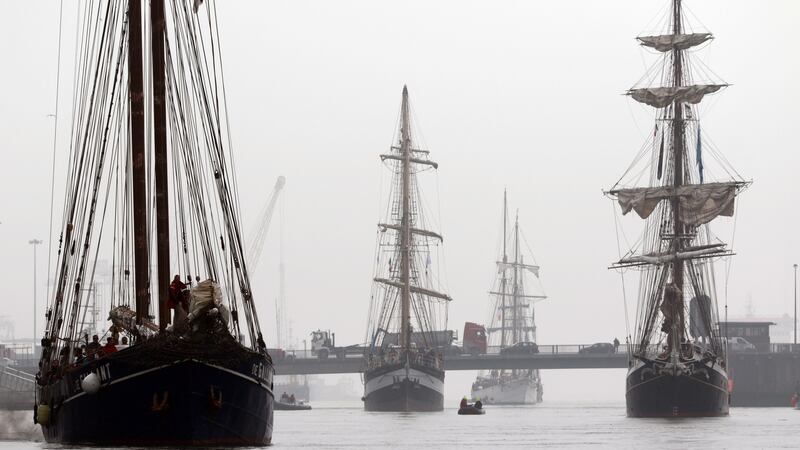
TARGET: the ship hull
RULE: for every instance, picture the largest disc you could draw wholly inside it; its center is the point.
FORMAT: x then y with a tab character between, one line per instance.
404	389
699	392
520	391
181	403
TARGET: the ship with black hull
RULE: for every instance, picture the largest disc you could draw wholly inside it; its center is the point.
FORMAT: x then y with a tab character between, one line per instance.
513	322
677	356
405	370
150	168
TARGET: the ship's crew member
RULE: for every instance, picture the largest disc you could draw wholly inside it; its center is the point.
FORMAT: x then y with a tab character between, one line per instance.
260	341
463	403
110	346
616	345
80	355
478	404
176	294
123	344
93	347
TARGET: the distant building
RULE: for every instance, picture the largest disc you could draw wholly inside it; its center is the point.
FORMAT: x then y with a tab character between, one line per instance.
757	333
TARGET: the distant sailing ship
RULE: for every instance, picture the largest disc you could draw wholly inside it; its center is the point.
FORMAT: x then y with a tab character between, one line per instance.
513	322
150	168
405	369
677	364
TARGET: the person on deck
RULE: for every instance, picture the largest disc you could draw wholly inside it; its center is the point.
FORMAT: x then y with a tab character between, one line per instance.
176	296
616	345
110	346
463	403
93	347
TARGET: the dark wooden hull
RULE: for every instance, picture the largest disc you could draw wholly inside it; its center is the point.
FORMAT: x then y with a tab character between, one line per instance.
185	402
701	393
400	389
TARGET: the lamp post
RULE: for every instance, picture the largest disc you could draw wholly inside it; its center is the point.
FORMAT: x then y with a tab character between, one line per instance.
34	242
795	304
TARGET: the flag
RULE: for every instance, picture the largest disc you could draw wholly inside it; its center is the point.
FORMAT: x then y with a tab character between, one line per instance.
699	154
660	153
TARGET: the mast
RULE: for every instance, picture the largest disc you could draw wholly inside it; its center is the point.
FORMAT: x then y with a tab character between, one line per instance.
139	171
515	292
503	280
677	153
161	164
405	225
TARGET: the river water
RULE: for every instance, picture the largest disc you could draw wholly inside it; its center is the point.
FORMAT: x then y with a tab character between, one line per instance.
346	425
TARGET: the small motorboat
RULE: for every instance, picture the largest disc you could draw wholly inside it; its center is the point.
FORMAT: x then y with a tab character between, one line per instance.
283	406
471	410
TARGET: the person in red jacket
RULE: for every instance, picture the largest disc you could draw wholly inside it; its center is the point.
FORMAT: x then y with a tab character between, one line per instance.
110	347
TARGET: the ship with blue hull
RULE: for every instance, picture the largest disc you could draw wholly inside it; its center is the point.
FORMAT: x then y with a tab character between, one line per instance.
405	370
151	169
677	355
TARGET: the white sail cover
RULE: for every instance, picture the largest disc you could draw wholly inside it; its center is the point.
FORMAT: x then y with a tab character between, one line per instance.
699	203
659	97
661	258
501	266
667	42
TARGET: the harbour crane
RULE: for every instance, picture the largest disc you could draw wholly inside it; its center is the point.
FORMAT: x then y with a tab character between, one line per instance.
259	235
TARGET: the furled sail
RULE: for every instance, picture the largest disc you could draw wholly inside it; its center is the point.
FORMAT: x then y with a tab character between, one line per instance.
667	42
662	258
699	203
501	266
659	97
414	289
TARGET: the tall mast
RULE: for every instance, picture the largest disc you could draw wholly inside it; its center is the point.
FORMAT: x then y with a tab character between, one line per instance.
677	152
405	225
515	292
161	164
139	171
503	280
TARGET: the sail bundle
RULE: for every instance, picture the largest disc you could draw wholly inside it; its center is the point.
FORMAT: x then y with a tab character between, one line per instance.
501	266
668	42
698	203
659	97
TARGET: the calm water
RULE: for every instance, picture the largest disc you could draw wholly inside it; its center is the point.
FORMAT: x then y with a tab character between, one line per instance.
346	425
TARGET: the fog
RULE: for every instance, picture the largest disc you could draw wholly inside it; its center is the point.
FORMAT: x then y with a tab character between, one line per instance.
507	94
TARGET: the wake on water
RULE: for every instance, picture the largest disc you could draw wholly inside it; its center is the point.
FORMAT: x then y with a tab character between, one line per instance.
19	426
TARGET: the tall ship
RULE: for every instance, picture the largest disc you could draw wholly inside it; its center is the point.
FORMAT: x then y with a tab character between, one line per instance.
408	315
677	357
513	325
151	188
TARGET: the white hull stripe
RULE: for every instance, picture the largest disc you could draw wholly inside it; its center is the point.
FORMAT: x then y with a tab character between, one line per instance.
388	379
152	369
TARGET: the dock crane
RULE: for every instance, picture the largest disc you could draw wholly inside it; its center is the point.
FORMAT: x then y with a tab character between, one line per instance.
262	226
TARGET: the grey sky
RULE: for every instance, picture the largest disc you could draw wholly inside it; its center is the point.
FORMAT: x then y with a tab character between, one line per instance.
506	93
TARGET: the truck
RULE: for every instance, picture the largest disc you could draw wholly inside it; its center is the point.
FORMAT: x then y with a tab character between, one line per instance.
474	339
323	344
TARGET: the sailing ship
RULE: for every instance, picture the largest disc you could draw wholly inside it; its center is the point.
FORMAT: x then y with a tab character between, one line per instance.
513	322
150	167
405	369
677	360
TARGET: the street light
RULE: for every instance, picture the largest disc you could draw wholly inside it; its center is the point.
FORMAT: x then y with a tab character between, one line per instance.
795	304
34	242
